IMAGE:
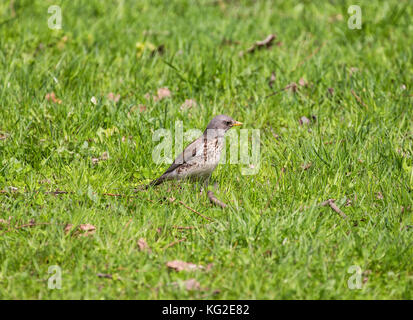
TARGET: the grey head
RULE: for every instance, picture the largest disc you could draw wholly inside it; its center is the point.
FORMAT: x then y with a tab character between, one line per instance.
221	124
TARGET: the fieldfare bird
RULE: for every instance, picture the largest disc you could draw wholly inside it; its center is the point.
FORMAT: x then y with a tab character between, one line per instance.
200	158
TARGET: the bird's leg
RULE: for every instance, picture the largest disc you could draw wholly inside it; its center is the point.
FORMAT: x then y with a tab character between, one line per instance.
205	184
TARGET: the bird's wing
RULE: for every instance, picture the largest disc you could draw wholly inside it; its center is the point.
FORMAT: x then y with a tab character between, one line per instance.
189	153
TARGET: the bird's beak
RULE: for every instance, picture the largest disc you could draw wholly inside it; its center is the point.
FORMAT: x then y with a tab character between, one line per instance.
236	124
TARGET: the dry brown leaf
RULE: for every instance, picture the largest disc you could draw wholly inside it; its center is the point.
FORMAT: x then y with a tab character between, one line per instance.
380	196
103	157
82	230
306	166
52	97
179	265
143	246
192	284
188	104
104	275
302	82
113	97
68	227
162	94
88	229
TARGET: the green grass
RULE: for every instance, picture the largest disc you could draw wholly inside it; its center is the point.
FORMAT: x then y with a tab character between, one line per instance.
274	241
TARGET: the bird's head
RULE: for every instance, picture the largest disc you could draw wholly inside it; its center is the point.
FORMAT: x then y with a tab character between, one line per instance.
222	123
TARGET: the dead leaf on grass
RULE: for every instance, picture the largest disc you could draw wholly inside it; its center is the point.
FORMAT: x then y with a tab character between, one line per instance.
87	229
302	82
143	246
68	227
190	285
103	157
82	230
179	265
52	97
113	97
162	94
188	104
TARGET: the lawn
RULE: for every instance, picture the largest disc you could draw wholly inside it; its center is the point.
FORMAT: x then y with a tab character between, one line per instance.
79	107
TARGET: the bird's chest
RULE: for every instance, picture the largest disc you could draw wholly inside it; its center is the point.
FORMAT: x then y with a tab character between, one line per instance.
211	151
206	158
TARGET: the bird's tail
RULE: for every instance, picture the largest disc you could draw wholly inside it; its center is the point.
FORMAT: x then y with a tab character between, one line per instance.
155	182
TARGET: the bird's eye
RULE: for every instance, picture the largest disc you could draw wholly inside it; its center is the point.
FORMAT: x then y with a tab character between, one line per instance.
228	123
